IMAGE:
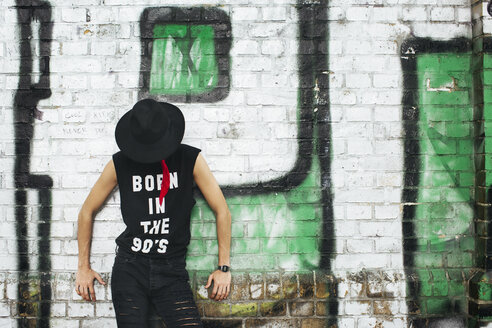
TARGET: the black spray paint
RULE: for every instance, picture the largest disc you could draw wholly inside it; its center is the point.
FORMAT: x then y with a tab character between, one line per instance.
34	310
314	131
313	125
213	17
220	21
409	51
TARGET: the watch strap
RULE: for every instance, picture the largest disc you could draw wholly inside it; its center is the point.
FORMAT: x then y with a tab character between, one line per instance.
223	268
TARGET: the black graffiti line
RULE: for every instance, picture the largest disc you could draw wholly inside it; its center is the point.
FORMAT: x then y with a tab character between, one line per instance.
297	174
313	25
26	98
312	67
214	17
487	48
409	51
313	92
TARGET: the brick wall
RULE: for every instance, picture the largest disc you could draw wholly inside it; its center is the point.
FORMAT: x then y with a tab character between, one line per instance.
346	136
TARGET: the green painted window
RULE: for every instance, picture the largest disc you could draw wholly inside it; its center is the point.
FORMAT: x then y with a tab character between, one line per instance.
183	60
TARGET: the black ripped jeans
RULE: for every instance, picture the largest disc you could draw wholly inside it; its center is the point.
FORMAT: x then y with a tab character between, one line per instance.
138	282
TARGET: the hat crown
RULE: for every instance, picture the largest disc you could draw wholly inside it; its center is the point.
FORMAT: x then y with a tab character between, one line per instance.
150	131
148	121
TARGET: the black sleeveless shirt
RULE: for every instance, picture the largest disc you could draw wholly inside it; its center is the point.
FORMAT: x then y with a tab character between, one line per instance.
154	229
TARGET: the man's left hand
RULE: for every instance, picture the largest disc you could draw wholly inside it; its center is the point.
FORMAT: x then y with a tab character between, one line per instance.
222	285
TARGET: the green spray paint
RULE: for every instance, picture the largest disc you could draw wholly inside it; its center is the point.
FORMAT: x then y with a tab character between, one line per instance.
269	231
183	60
444	212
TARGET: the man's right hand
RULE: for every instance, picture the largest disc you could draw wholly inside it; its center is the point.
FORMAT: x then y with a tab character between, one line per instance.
84	283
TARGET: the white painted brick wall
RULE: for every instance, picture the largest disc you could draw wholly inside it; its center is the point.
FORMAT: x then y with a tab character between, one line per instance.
368	161
94	79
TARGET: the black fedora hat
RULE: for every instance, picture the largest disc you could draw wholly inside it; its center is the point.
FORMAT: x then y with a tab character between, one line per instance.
150	131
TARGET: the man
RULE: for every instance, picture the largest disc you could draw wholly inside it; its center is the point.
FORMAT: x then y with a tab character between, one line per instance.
155	175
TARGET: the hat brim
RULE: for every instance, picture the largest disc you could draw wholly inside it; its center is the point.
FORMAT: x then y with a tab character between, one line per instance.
157	151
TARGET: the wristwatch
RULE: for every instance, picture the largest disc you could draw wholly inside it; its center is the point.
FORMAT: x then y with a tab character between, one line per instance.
223	268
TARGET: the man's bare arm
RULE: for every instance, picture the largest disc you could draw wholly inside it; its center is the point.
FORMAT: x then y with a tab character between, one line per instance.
84	283
215	199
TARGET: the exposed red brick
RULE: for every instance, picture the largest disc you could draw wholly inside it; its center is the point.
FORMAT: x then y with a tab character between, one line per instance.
273	288
239	288
306	285
321	308
313	323
289	286
271	323
271	309
301	309
216	309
